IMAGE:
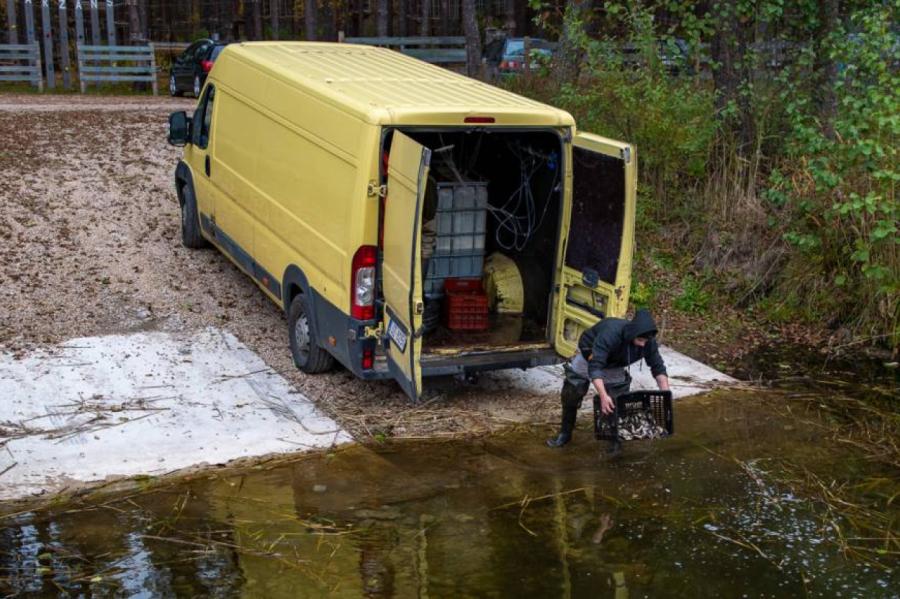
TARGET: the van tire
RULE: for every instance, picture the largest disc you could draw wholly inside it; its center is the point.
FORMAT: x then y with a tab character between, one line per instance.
308	355
190	220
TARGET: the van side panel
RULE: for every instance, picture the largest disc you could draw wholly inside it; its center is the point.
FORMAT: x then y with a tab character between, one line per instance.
306	177
306	195
298	169
236	201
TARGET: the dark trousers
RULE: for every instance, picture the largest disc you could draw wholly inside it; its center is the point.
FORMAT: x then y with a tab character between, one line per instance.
574	389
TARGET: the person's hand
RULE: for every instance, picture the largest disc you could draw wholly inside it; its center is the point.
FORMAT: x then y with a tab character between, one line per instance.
607	406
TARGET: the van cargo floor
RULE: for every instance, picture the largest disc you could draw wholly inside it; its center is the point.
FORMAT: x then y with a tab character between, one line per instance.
505	331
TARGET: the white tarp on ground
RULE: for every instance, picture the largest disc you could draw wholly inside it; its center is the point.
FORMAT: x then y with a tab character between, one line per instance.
124	405
686	377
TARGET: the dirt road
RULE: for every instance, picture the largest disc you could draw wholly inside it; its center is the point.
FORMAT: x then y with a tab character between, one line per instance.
90	245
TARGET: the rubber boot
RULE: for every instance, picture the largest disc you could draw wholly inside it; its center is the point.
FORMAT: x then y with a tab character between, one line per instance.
569	414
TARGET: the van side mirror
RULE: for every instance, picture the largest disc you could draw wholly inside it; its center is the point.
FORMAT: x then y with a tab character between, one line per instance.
179	128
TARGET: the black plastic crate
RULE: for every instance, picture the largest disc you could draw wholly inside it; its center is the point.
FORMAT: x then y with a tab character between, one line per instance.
657	403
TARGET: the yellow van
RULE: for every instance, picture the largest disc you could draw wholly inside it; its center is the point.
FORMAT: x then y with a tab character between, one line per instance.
322	169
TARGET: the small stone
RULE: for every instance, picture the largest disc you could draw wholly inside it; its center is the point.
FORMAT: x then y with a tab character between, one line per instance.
319	488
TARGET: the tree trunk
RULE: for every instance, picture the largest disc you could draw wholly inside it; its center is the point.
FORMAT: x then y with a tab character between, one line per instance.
144	16
274	18
392	13
510	22
254	20
445	17
425	14
401	17
473	38
523	18
11	22
733	69
570	51
825	69
134	22
295	19
310	18
327	22
239	21
381	18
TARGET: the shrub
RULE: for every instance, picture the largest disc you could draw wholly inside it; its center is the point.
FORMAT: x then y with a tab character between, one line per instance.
835	187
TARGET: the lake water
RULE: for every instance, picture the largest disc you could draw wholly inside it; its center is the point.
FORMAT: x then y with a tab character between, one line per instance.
723	509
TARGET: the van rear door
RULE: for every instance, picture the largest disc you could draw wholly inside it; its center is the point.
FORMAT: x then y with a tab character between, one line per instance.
401	261
596	270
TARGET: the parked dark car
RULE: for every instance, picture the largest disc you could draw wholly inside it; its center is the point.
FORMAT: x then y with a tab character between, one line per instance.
513	59
189	69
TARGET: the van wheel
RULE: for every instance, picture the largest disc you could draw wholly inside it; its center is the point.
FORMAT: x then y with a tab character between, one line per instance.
308	356
190	221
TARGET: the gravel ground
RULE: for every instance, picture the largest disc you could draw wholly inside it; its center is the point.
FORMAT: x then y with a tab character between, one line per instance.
90	244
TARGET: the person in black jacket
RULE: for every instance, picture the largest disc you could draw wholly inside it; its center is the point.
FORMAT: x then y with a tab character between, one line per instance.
604	353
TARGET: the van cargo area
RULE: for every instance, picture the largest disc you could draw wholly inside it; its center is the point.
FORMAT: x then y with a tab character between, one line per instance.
489	237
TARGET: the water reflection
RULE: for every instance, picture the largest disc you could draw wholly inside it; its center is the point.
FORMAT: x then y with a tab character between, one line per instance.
699	514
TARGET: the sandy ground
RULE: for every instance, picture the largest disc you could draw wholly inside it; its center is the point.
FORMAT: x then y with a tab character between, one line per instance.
90	245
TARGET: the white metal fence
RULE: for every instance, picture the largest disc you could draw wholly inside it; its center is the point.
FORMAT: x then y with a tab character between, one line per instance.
21	62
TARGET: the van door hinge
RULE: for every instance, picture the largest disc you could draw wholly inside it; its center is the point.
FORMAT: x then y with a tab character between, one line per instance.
374	332
377	190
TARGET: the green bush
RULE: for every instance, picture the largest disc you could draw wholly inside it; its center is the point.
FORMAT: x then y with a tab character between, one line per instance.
693	299
836	189
791	206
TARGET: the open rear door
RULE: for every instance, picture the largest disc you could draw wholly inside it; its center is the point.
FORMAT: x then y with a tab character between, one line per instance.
401	261
596	270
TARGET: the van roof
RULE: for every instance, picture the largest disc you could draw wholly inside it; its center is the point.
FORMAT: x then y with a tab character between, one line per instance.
386	87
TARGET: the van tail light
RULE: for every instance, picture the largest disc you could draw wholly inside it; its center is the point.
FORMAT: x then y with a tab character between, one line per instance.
207	65
504	64
362	283
368	358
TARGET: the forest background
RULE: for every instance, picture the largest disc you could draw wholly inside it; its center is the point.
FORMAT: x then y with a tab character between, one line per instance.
766	133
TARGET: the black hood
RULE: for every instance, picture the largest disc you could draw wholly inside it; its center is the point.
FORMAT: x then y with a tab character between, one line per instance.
641	325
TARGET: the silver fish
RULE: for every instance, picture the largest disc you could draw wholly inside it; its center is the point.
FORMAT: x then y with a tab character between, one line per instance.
639	425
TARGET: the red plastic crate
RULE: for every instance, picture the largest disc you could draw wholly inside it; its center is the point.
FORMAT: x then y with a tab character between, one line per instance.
465	305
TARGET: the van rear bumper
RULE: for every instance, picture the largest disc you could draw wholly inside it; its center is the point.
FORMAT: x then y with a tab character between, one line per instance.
465	364
342	336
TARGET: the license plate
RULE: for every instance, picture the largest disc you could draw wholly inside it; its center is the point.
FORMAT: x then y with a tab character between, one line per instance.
397	334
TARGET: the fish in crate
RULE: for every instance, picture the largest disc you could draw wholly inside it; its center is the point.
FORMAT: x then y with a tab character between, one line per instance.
638	415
